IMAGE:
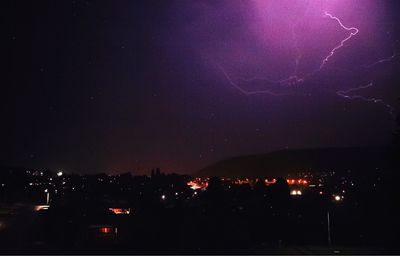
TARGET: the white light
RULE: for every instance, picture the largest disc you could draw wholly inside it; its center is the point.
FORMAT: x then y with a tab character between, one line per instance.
41	207
338	198
195	192
59	174
176	193
163	197
46	190
296	193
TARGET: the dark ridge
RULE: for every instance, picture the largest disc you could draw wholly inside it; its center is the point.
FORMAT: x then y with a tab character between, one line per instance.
284	162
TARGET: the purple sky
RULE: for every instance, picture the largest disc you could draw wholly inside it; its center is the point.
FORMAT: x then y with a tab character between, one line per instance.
180	84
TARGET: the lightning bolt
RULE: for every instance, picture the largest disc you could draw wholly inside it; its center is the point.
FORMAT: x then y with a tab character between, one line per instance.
388	59
345	94
353	31
234	84
382	61
294	79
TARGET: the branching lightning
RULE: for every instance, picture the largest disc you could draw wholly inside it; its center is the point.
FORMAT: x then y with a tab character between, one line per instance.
234	84
346	94
294	79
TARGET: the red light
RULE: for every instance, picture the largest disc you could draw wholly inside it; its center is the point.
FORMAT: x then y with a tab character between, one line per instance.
105	230
304	182
120	210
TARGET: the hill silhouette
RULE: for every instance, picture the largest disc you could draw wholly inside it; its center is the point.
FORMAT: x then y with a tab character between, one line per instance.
284	162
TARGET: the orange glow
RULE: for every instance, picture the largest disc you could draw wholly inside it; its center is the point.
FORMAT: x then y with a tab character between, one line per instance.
193	185
240	182
120	210
270	181
197	184
299	181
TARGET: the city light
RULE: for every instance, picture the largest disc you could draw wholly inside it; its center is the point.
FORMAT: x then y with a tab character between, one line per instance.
120	211
163	197
41	207
269	182
198	184
296	193
59	174
105	230
299	182
337	198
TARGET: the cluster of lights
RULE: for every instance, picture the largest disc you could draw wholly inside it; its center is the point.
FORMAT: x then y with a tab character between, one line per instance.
240	182
299	181
268	182
296	193
198	184
122	211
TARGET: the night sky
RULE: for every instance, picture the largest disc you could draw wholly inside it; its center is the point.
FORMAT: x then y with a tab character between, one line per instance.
114	86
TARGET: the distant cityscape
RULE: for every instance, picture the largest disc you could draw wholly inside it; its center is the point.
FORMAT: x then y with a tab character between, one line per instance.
95	213
262	127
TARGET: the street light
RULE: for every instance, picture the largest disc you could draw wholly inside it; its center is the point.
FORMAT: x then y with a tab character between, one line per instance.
337	199
47	196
